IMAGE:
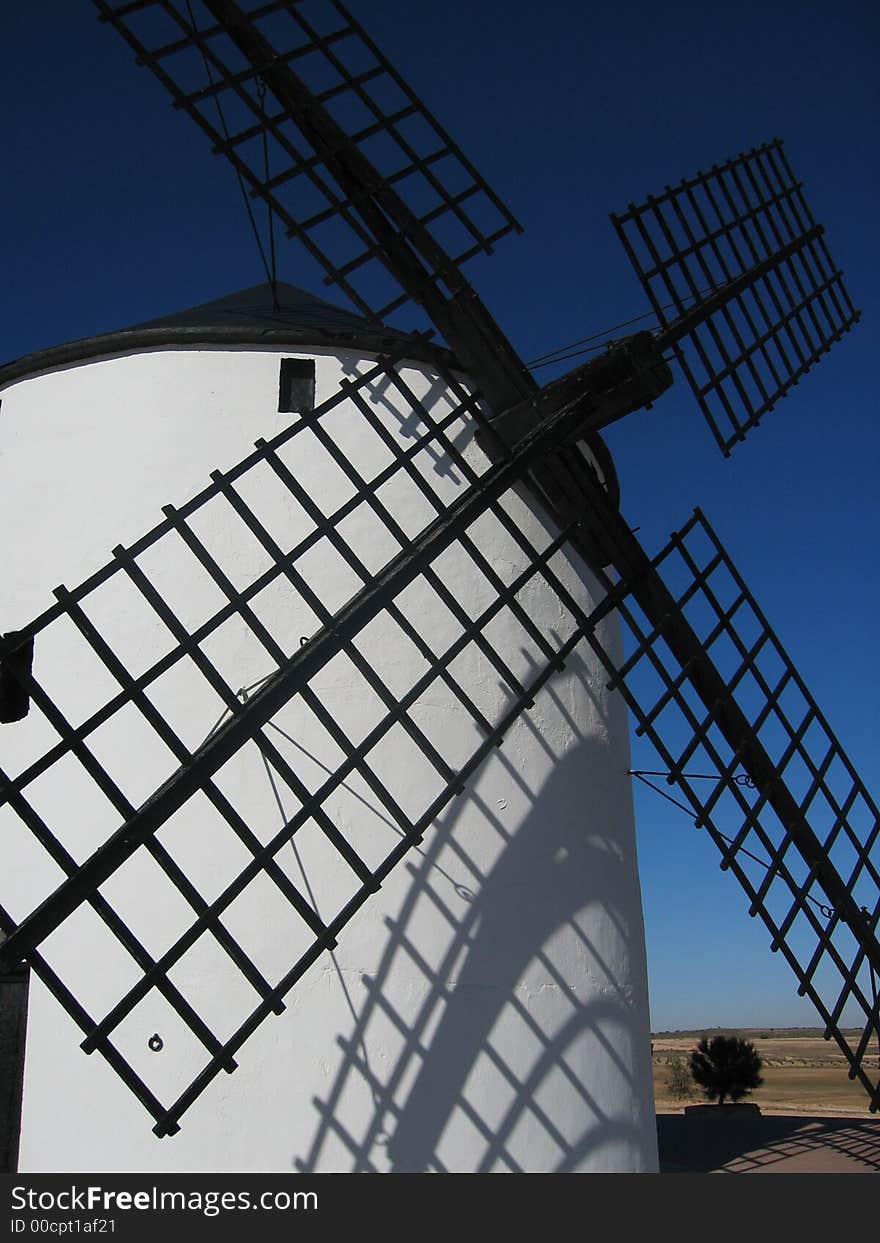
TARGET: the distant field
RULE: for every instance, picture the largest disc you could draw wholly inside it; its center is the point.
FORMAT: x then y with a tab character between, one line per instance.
802	1072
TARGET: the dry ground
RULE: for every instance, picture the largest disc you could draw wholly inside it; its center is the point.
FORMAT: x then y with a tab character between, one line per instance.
802	1072
814	1119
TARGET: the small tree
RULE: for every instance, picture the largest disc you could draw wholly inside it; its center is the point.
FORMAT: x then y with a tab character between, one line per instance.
726	1067
678	1079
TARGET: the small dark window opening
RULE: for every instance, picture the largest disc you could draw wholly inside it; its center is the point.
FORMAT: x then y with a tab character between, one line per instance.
16	659
296	386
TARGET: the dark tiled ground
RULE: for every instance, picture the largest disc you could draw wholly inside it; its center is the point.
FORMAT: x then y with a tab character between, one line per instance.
752	1143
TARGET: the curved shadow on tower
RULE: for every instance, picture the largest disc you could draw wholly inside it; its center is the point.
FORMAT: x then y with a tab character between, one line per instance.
552	875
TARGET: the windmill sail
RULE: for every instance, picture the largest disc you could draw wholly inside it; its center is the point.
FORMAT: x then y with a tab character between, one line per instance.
714	691
741	281
416	514
322	128
74	893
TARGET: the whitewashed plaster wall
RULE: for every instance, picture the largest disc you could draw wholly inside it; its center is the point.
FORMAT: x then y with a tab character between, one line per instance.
487	1009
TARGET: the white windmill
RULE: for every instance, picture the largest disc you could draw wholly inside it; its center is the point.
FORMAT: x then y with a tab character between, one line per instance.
382	636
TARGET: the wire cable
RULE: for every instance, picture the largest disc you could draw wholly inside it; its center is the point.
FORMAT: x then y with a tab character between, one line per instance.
273	281
557	355
266	268
826	911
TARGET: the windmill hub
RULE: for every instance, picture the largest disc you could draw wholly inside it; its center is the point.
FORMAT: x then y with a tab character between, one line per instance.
631	374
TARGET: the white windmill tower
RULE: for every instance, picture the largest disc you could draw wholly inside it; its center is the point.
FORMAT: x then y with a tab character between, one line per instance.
511	952
354	688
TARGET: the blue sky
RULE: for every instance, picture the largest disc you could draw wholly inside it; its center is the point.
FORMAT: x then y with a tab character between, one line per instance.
114	211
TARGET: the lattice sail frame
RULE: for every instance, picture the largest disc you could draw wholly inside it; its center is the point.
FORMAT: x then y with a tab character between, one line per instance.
760	850
106	867
211	80
705	234
147	829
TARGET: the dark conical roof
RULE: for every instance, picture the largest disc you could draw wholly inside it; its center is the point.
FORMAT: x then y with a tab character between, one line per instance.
254	310
248	317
